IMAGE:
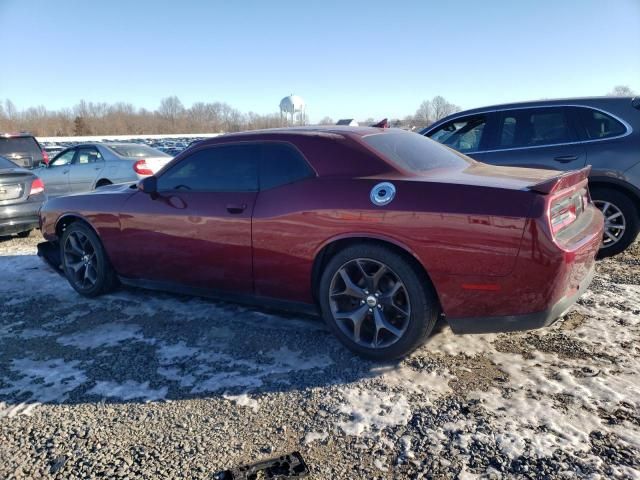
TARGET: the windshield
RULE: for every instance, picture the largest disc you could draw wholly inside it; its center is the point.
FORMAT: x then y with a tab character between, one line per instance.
137	151
414	153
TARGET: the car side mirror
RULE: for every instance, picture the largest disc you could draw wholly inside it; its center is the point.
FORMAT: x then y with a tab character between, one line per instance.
149	186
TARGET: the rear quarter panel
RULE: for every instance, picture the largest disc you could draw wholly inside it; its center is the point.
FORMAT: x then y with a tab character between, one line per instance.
450	229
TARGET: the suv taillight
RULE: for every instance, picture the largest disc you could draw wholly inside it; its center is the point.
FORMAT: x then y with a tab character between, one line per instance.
564	209
45	157
37	187
141	168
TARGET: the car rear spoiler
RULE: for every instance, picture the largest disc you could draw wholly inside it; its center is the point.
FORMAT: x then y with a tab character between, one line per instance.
561	181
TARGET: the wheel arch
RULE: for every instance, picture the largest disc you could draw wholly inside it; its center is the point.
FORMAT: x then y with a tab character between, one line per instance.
336	244
67	219
101	182
619	185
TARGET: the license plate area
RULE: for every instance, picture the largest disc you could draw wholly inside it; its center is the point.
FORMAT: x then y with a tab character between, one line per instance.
11	192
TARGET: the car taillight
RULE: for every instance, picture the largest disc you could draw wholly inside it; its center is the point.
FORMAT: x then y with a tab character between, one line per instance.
566	208
141	168
37	186
45	157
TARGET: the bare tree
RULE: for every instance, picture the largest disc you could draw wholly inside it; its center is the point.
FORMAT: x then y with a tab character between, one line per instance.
433	110
326	121
621	91
171	109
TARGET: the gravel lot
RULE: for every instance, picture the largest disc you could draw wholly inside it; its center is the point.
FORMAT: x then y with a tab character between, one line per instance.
148	385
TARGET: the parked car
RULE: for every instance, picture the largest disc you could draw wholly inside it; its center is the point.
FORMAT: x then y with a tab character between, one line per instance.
563	135
88	166
22	149
378	229
21	196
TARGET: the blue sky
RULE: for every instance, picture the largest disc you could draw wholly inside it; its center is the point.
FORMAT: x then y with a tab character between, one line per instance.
345	58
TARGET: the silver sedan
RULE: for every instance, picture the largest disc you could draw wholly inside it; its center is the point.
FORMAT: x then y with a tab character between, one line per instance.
88	166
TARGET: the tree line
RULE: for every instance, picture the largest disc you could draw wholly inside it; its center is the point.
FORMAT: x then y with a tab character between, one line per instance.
172	117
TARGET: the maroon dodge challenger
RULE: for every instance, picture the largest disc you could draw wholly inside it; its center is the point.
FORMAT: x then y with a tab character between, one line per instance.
379	230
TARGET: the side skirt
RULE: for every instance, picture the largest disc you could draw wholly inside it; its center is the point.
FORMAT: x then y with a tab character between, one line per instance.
266	303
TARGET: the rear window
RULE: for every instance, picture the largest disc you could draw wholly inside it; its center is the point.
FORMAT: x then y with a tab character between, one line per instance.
413	152
4	163
600	125
19	145
133	151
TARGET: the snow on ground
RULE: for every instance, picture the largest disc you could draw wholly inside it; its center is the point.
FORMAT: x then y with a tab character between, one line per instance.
181	375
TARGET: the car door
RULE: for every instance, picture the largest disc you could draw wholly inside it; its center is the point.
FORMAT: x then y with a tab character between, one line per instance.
543	137
56	175
196	230
85	170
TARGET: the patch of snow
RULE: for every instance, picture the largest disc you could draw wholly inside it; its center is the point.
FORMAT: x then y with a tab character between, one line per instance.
429	385
311	437
129	390
244	400
107	335
40	381
370	410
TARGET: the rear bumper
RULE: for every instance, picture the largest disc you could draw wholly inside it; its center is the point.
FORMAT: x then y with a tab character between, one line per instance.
529	321
19	218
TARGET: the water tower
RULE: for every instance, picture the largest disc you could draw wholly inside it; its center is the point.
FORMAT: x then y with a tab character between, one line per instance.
292	109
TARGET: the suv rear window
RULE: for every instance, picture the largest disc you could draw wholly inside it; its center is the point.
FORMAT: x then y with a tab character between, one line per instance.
599	125
4	163
133	151
19	145
414	152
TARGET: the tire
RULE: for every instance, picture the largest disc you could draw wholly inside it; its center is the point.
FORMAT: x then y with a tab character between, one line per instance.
24	234
415	297
84	261
102	183
616	202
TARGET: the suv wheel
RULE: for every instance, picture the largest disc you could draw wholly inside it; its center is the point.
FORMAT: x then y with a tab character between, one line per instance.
376	302
620	220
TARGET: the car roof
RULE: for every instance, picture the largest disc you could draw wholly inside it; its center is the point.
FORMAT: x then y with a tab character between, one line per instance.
587	101
15	135
329	131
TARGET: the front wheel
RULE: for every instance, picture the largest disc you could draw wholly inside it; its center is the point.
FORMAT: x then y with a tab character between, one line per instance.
376	302
84	261
620	220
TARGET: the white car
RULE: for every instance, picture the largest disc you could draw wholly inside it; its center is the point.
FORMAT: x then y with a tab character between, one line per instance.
87	166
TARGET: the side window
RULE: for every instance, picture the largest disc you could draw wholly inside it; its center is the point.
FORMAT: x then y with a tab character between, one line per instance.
88	155
534	127
64	158
232	168
281	164
599	125
463	134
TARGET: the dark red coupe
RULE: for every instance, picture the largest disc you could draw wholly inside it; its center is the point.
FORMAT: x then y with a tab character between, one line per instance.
380	230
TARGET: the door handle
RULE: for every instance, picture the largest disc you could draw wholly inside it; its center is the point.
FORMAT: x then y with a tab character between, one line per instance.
566	158
235	208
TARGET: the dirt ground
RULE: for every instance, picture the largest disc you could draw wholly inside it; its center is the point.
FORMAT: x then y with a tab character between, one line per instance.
140	384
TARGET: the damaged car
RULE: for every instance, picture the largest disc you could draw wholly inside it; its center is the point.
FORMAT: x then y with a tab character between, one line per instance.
380	231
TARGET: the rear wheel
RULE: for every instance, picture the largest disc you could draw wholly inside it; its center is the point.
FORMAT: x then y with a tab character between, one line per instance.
376	302
84	261
102	183
24	234
620	220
